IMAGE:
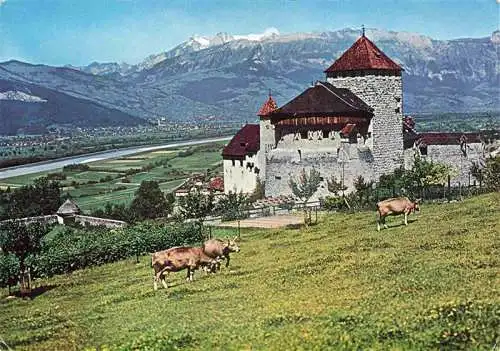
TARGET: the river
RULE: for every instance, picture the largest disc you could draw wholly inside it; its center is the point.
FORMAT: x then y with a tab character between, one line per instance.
96	156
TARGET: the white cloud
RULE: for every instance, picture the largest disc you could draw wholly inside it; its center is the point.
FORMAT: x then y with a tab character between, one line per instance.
2	2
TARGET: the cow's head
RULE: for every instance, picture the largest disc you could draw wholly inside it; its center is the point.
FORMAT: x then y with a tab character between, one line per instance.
416	206
232	245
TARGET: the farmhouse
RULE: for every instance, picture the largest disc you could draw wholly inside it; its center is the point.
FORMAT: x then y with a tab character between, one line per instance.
347	126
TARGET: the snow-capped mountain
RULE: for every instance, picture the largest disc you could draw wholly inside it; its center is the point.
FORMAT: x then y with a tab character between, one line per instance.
229	76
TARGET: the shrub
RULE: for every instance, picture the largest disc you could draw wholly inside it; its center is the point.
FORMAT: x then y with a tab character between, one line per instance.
9	270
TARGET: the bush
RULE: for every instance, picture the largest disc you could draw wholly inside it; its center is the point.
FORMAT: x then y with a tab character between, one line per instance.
9	270
333	203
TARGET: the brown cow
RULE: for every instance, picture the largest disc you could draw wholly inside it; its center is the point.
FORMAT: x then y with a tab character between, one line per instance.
395	206
219	249
177	259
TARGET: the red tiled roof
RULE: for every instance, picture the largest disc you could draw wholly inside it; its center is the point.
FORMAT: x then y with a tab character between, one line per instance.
432	138
363	54
245	142
324	99
216	183
268	107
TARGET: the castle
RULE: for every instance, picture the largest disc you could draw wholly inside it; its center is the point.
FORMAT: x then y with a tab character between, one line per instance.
347	126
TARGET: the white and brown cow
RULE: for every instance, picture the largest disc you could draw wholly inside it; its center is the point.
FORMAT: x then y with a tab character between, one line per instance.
394	207
176	259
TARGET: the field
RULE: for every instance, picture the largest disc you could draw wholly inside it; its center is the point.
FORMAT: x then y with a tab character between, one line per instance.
337	285
107	181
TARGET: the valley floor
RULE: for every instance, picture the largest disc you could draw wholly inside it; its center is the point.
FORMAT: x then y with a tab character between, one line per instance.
338	285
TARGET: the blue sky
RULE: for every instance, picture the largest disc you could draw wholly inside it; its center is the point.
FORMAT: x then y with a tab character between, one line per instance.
77	32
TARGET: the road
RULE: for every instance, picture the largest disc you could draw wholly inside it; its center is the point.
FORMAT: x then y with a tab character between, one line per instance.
97	156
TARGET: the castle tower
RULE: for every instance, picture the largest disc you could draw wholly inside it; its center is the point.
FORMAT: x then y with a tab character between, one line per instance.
366	71
267	135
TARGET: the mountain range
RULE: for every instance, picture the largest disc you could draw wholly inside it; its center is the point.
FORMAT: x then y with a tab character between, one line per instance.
229	76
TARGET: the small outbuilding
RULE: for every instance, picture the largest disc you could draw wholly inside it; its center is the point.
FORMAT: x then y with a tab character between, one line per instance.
67	212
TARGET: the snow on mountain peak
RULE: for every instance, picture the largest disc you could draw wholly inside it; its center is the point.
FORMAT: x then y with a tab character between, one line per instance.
202	41
268	33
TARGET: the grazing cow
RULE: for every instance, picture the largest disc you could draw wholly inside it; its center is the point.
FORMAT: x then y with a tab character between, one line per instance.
220	249
177	259
395	206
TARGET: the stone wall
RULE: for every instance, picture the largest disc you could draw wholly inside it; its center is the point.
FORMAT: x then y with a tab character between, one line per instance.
453	156
345	165
95	222
241	175
384	93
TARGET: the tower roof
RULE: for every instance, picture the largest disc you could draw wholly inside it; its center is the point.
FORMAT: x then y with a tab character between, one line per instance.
245	142
268	107
363	55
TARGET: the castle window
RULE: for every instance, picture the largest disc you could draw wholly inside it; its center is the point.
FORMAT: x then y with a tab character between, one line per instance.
397	110
234	162
241	163
423	150
325	134
321	179
303	134
277	177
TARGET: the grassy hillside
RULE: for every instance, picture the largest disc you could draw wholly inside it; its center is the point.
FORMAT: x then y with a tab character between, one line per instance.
338	285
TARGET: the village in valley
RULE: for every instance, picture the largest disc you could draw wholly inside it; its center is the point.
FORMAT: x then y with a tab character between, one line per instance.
333	222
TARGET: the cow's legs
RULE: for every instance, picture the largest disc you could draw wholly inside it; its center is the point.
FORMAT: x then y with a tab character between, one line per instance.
227	261
164	281
406	218
378	224
188	276
383	221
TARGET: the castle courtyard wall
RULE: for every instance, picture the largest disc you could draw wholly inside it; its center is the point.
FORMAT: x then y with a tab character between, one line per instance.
453	156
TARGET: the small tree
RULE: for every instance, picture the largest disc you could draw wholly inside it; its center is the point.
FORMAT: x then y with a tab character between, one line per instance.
22	241
232	206
305	187
362	187
488	172
196	205
149	201
335	186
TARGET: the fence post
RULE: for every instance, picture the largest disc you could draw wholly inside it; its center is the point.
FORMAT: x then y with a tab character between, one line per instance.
239	230
460	190
449	188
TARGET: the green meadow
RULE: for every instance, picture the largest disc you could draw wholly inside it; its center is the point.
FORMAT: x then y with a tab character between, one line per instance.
338	285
